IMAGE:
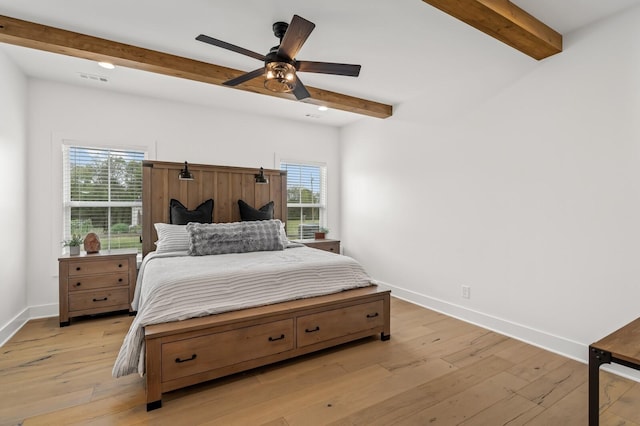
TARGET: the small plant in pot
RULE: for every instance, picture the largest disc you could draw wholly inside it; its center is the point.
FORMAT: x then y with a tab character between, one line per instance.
74	244
321	234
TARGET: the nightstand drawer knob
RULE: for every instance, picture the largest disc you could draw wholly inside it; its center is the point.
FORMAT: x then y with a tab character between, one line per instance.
120	265
77	268
100	300
78	284
119	280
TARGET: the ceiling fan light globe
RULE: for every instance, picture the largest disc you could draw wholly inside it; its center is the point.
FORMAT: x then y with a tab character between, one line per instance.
280	77
279	85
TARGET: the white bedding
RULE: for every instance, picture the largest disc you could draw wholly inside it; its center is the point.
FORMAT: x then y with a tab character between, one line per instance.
175	286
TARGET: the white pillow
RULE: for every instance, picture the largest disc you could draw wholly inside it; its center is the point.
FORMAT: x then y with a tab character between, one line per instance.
283	235
171	238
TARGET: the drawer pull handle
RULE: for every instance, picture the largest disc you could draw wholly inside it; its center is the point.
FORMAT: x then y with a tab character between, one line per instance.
273	339
119	265
119	280
100	300
78	284
77	268
372	315
312	330
178	360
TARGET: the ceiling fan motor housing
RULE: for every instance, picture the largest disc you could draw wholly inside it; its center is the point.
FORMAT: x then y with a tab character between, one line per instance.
279	29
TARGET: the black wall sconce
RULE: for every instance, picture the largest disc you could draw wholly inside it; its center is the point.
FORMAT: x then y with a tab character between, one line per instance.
260	178
185	174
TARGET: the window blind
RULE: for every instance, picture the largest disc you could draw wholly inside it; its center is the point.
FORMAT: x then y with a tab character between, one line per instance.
306	198
103	194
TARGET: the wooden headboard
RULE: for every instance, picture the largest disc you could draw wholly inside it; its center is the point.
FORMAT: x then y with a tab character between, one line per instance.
226	185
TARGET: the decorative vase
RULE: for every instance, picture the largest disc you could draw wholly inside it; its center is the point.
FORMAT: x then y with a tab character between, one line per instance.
74	250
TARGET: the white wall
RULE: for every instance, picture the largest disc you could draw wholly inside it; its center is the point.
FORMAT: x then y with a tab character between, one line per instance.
532	199
176	132
13	186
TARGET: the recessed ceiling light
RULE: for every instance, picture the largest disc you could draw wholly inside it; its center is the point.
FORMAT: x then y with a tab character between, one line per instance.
322	108
107	65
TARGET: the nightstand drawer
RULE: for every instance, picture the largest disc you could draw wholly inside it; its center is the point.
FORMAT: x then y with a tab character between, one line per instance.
98	266
81	301
332	246
326	245
89	282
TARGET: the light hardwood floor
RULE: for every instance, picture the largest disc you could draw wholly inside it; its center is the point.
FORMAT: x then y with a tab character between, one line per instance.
435	370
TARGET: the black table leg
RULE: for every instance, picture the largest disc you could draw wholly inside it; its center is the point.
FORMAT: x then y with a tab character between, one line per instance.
597	357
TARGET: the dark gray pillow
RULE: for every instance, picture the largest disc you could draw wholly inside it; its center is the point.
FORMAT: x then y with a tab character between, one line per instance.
215	238
180	215
237	237
249	213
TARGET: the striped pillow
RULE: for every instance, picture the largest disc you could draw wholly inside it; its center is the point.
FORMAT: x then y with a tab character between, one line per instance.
171	238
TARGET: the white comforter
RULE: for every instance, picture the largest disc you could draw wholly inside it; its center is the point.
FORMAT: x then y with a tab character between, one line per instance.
174	286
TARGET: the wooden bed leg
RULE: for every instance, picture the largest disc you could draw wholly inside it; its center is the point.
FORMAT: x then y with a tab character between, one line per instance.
153	374
154	405
386	334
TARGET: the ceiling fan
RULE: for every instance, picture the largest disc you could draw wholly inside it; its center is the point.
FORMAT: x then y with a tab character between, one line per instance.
280	65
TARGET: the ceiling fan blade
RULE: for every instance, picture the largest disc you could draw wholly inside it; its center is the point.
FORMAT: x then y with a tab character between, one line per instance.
300	92
297	33
244	77
329	68
229	46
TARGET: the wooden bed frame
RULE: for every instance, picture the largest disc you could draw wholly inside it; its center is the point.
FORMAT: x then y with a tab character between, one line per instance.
183	353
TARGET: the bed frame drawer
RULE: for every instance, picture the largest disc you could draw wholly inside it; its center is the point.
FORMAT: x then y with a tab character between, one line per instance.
199	354
341	322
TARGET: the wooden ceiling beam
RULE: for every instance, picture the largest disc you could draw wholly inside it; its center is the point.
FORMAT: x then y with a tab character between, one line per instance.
50	39
506	22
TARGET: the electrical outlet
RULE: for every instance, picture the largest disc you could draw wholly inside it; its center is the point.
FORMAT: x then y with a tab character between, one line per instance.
466	292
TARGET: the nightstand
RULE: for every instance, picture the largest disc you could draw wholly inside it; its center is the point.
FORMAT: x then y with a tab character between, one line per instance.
96	283
327	245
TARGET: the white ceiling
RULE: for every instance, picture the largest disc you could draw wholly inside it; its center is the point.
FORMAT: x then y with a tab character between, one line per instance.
408	50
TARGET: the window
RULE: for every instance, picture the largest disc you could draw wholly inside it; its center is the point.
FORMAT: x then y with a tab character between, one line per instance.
306	198
103	194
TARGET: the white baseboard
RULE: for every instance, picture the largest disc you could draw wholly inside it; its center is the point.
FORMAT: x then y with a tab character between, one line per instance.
557	344
44	311
32	312
12	327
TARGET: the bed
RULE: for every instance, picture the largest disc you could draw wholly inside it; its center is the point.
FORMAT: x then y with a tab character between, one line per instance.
254	308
